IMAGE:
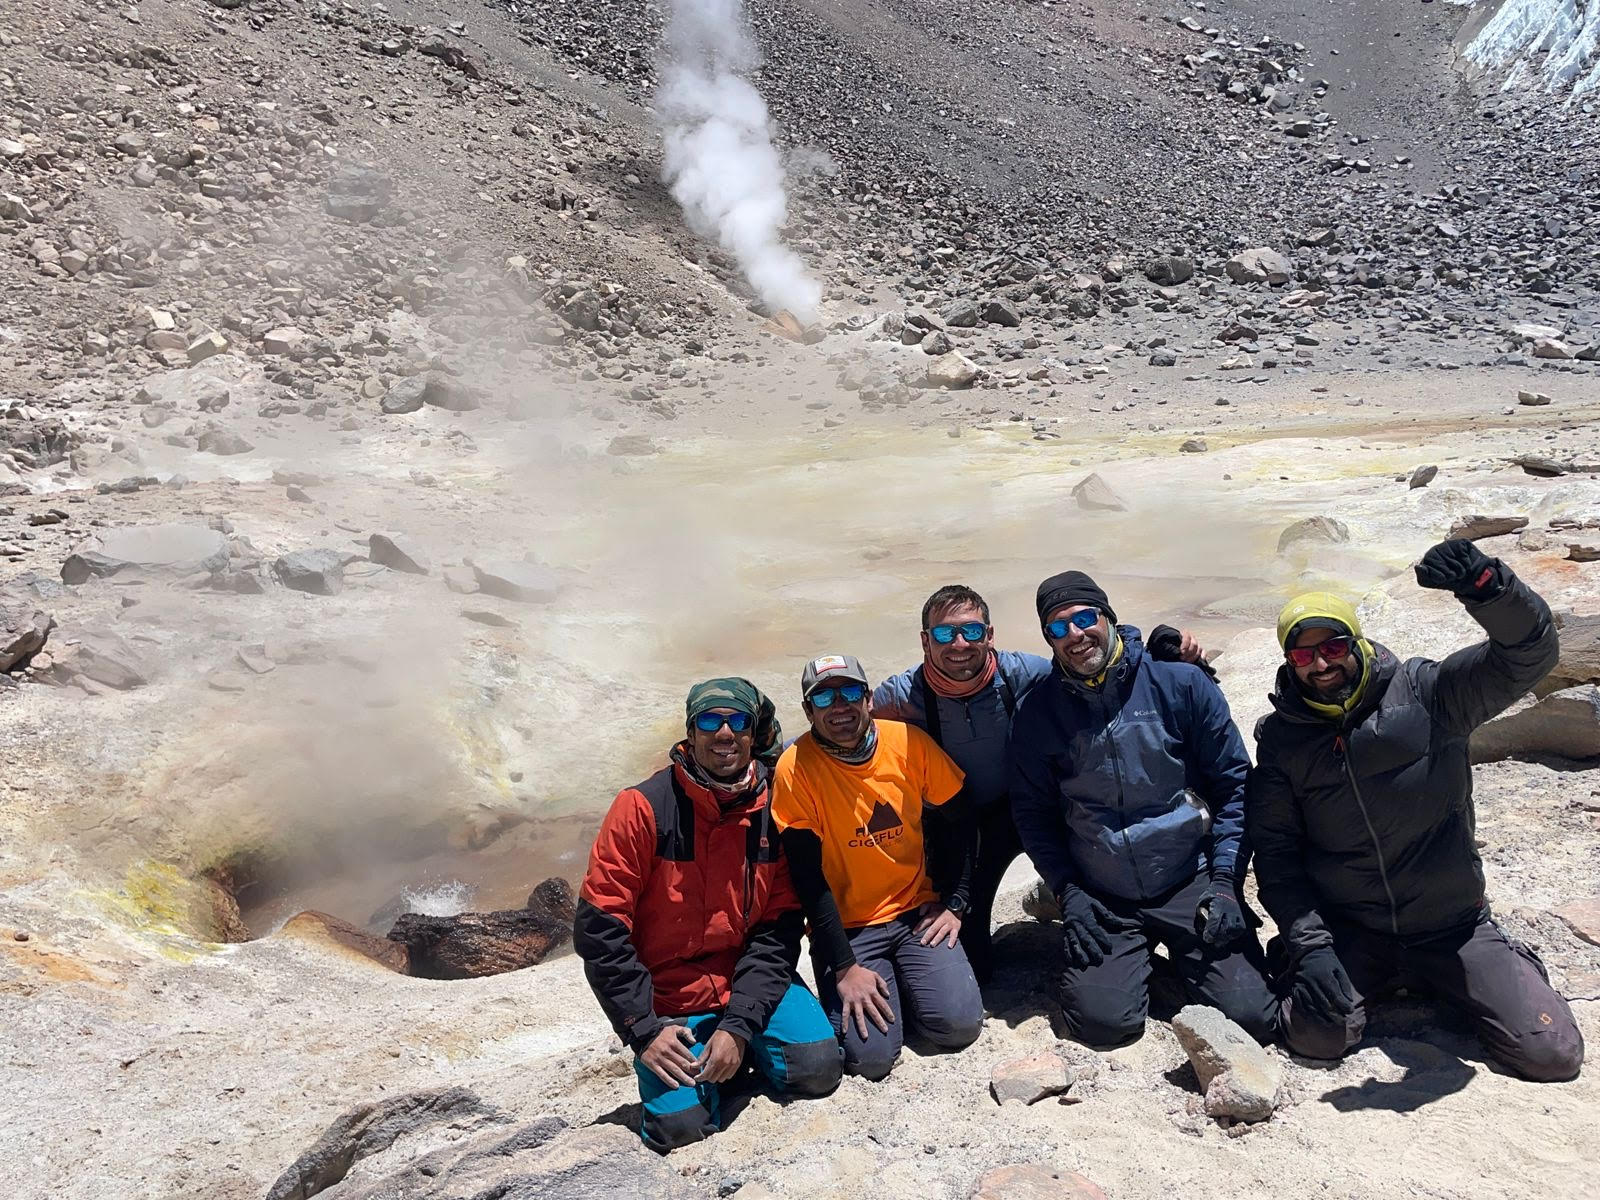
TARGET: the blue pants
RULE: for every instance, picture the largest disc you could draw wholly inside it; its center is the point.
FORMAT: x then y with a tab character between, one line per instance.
797	1051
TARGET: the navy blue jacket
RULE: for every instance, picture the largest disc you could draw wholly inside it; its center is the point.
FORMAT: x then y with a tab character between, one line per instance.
974	731
1096	778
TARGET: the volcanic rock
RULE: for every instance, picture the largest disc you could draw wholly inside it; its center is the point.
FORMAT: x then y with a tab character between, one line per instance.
404	396
320	927
1002	312
1565	724
1479	526
103	658
1313	529
223	442
370	1129
1260	265
962	314
470	945
1583	918
953	370
527	582
24	630
1169	270
1094	493
1422	477
1239	1078
1031	1181
317	572
1030	1080
395	551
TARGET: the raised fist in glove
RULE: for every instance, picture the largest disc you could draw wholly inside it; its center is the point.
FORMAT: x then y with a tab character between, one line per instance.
1220	917
1460	567
1321	988
1083	923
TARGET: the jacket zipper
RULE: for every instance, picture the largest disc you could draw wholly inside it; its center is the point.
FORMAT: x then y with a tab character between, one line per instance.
1122	805
1383	870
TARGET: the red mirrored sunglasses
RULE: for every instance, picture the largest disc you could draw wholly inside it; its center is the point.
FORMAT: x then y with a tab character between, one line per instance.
1335	649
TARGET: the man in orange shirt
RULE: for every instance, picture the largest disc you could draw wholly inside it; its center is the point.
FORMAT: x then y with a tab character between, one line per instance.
878	836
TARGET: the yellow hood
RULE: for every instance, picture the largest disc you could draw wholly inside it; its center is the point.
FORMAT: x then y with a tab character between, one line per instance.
1312	606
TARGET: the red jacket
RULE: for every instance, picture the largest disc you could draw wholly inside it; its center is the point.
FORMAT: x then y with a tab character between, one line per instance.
687	908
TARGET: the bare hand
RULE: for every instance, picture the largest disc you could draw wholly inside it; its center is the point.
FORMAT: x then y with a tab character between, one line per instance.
1189	650
724	1053
670	1056
938	924
864	994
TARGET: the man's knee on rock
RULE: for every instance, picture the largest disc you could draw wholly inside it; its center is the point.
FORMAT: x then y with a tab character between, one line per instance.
813	1068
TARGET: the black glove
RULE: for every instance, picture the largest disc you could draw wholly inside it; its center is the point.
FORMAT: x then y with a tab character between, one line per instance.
1165	644
1460	567
1321	988
1083	921
1224	918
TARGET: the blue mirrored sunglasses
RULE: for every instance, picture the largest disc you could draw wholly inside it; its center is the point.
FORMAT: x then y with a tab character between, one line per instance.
850	693
710	722
971	631
1084	618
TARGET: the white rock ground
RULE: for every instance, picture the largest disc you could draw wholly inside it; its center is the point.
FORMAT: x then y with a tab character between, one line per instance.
141	1061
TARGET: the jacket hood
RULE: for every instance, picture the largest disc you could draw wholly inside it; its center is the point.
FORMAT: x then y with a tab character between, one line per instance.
1378	666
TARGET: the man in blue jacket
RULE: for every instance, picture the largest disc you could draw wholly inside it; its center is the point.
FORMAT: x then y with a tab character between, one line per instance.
1127	785
964	694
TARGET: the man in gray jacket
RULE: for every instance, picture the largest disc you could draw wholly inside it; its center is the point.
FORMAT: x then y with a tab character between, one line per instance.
1360	812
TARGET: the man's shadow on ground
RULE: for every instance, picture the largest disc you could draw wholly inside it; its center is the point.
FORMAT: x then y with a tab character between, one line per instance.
1427	1041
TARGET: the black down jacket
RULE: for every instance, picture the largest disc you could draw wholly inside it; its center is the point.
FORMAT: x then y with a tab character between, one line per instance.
1371	820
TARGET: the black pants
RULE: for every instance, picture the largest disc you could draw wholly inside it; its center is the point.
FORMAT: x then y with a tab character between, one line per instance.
1524	1024
998	848
1105	1006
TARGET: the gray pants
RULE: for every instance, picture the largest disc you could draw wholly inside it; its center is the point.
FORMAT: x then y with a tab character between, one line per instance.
932	985
1524	1023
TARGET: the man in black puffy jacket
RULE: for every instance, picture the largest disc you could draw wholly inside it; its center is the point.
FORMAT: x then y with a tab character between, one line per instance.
1360	813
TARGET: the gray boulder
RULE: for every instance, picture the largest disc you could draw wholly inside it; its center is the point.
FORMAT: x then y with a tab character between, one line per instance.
1002	312
1169	270
404	396
1565	724
1259	265
1478	526
371	1129
962	314
416	1149
1096	494
1240	1079
24	630
318	572
1313	529
396	551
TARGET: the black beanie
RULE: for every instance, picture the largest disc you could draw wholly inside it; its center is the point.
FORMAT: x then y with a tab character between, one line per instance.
1071	587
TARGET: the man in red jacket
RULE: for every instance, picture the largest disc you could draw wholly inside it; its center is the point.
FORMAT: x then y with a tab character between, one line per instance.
689	927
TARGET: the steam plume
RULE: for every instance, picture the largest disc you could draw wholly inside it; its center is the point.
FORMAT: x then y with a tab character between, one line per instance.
720	162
